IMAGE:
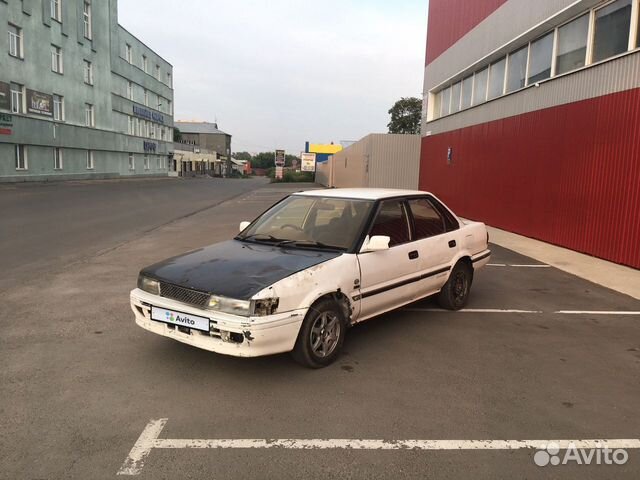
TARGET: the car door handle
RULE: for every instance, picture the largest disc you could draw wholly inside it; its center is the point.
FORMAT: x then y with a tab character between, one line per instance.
453	244
414	255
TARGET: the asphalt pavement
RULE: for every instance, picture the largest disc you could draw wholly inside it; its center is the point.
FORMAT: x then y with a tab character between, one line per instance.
538	354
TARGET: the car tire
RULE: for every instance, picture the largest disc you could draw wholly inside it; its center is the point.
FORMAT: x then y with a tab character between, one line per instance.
455	293
321	336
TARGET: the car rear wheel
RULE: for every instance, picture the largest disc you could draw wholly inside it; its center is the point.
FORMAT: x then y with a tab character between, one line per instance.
321	335
455	293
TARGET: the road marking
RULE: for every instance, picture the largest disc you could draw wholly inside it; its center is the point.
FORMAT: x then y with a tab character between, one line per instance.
471	310
149	440
517	266
571	312
142	448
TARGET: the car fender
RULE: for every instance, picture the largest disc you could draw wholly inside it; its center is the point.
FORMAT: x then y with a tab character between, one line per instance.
340	275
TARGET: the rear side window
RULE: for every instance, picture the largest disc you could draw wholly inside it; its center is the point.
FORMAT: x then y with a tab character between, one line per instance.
426	219
392	222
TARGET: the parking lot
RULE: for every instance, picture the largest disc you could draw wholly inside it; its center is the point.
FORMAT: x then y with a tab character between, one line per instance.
539	355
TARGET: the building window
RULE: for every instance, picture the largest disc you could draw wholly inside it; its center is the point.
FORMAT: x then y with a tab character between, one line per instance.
146	97
56	59
169	79
158	73
21	157
146	162
130	127
90	160
152	131
158	163
16	42
130	90
467	92
497	72
540	58
572	45
58	108
169	107
17	98
90	117
87	21
445	102
132	161
128	53
56	10
160	103
57	158
88	72
481	81
612	28
517	69
145	64
456	91
136	127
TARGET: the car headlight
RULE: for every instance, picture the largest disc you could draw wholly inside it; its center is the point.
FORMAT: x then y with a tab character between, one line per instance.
149	285
262	308
230	305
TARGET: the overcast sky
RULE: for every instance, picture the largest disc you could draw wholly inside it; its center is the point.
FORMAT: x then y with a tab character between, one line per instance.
276	73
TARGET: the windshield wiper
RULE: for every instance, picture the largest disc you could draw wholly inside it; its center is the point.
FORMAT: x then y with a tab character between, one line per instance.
261	237
308	243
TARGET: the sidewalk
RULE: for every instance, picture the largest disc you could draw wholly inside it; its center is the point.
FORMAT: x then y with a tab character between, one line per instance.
616	277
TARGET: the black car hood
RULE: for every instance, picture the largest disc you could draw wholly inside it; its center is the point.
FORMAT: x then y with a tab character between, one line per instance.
235	269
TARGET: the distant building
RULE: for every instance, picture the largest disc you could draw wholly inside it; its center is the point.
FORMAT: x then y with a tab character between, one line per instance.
207	136
323	151
80	97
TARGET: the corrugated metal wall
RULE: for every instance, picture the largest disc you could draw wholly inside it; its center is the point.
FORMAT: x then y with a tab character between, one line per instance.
568	175
451	26
378	161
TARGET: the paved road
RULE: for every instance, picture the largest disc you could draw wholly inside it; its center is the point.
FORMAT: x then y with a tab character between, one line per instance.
80	381
46	225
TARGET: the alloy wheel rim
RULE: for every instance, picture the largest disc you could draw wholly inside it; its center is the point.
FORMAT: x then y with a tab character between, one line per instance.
325	334
460	287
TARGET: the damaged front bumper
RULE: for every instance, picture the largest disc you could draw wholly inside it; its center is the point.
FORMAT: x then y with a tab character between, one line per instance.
228	334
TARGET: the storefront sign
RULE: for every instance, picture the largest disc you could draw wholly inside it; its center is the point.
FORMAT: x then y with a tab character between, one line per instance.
150	147
5	96
280	158
39	103
148	114
6	122
308	162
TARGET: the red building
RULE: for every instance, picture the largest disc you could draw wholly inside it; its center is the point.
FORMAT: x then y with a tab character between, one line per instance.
533	119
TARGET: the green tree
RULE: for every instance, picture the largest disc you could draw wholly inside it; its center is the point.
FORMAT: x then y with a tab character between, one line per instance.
177	134
405	116
268	160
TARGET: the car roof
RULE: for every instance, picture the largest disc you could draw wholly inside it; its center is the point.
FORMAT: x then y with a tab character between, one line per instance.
361	193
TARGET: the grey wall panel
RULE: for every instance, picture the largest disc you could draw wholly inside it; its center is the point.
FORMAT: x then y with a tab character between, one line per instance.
612	76
378	161
394	161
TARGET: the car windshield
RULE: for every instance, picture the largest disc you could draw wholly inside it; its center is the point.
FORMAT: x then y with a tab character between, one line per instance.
311	222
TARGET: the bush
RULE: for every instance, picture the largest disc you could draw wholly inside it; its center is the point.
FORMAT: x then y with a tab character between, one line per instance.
292	177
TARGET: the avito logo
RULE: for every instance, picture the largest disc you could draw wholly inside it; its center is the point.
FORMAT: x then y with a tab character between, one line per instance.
550	455
178	319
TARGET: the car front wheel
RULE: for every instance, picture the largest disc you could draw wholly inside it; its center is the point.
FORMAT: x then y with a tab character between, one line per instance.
455	293
321	335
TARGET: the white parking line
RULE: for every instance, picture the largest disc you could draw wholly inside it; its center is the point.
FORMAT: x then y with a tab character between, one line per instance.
534	312
470	310
517	266
577	312
149	440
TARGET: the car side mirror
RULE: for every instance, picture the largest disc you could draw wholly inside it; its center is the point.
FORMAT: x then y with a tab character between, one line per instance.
244	225
377	243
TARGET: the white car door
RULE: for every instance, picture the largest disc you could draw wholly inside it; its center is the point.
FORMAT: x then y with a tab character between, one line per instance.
388	277
436	242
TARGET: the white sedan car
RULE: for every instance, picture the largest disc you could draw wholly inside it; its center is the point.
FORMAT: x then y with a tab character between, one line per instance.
311	266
